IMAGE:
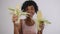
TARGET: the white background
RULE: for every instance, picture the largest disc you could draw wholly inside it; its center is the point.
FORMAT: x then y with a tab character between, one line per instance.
49	8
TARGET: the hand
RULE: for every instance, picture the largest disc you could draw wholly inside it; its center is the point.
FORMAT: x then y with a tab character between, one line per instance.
41	25
14	18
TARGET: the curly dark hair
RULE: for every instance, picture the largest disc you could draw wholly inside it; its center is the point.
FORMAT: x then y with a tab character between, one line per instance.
29	3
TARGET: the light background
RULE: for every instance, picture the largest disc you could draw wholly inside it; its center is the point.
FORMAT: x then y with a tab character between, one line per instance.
49	8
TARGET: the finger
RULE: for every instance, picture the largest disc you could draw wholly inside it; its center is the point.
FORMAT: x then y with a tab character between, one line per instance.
14	18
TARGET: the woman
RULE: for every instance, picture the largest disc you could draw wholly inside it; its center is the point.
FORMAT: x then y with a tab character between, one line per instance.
28	25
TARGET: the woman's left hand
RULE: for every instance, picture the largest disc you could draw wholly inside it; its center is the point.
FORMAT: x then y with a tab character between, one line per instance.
41	25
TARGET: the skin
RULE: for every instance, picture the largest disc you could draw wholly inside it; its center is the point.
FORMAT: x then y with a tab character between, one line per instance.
28	21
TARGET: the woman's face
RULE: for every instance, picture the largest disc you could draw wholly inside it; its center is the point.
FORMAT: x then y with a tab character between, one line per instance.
31	10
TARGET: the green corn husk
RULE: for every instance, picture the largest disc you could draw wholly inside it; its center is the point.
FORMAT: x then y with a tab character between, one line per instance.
42	21
18	13
11	9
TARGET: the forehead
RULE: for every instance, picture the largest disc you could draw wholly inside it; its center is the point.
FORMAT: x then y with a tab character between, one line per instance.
31	6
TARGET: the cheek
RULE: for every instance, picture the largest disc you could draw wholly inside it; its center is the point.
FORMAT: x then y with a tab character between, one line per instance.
33	11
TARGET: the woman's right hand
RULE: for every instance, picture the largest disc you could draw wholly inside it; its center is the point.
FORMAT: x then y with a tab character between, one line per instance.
14	18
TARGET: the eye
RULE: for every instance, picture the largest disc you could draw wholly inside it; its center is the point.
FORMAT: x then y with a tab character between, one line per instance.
32	8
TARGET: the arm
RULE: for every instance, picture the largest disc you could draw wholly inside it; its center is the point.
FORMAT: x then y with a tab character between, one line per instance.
17	27
41	25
